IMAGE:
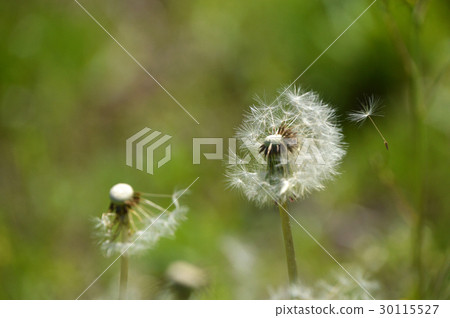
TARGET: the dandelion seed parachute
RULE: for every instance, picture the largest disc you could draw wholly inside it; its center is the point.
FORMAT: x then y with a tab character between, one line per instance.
145	220
369	107
312	146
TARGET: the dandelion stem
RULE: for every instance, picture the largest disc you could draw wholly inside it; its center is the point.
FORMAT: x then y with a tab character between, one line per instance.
288	243
376	127
421	143
124	267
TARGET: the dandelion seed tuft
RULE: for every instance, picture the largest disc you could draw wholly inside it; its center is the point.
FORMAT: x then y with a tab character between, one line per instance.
369	107
289	148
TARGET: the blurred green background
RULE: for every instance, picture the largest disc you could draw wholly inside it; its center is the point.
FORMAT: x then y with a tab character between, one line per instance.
70	97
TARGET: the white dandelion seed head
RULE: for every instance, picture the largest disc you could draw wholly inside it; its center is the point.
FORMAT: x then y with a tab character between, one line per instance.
298	125
120	193
370	106
146	222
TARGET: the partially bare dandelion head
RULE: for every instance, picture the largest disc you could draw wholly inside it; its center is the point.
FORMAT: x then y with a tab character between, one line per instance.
142	220
296	146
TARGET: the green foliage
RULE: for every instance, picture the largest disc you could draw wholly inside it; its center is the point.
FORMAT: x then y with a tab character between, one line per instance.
69	98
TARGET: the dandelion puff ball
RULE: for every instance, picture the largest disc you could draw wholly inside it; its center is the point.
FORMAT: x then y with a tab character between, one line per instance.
287	149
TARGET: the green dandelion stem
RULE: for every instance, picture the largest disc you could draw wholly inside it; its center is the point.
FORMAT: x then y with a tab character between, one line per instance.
124	267
288	243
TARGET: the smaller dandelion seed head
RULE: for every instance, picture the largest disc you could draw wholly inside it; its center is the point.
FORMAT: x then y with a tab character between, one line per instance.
121	193
144	221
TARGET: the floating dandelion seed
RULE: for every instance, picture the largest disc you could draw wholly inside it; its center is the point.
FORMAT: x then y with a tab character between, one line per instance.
370	107
296	146
299	143
131	213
